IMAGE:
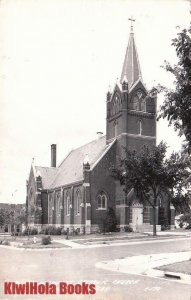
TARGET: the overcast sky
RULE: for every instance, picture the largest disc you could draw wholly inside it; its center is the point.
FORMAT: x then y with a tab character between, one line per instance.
57	60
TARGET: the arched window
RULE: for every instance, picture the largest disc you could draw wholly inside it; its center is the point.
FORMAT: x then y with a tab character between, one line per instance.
50	207
31	197
160	202
143	105
140	127
117	102
78	202
68	204
115	128
102	201
135	103
113	110
58	203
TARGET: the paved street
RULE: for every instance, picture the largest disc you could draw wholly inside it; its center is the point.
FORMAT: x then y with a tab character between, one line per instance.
78	265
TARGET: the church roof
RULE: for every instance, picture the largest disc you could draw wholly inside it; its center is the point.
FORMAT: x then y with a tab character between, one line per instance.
47	173
131	68
71	168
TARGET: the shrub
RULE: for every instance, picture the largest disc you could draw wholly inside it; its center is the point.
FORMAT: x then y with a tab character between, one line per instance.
46	240
76	231
128	228
58	230
30	231
51	230
34	231
6	243
63	231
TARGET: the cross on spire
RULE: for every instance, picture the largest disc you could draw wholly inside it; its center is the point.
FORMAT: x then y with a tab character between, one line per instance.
132	20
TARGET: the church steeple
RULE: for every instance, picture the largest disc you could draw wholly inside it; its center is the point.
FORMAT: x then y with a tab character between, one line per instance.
131	67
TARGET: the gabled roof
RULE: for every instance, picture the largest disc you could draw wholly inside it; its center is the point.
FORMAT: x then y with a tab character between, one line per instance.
47	173
71	168
131	67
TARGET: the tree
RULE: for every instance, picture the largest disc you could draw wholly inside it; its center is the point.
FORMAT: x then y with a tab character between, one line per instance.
31	216
150	174
4	217
9	216
177	104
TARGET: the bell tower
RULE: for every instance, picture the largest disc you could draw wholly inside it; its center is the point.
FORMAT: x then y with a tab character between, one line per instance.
131	110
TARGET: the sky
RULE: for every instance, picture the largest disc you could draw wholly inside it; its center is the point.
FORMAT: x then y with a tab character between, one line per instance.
57	61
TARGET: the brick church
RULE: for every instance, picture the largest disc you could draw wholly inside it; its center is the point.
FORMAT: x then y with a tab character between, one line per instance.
76	193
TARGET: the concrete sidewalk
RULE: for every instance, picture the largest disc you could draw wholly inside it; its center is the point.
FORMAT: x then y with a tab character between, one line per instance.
74	245
70	244
144	265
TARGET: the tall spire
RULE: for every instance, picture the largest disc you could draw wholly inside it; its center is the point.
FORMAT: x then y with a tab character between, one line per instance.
131	67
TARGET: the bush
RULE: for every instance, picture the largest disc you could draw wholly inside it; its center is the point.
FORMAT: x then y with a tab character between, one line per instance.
6	243
30	231
63	231
33	231
128	228
46	240
51	230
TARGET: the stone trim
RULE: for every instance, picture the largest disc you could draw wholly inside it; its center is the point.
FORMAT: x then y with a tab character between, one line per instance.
85	184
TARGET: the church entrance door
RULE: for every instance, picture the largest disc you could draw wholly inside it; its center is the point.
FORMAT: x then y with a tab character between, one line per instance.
137	215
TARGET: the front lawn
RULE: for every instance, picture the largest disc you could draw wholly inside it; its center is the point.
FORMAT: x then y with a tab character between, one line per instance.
179	267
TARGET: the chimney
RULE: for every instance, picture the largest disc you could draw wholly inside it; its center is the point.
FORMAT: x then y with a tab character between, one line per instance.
53	155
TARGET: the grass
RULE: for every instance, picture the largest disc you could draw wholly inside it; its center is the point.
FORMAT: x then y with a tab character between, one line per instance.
180	267
40	246
28	242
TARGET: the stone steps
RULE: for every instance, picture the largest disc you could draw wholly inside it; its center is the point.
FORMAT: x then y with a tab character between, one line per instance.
5	234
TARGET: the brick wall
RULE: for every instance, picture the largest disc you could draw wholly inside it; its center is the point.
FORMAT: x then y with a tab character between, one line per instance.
101	180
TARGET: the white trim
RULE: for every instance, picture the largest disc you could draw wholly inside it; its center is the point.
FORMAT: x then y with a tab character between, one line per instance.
132	58
132	135
88	205
85	184
139	67
136	82
141	136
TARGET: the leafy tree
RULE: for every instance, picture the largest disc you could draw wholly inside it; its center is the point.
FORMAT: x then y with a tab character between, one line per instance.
31	215
177	104
150	174
186	218
8	216
4	217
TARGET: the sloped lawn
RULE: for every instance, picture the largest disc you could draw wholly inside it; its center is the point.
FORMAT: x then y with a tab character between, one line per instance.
179	267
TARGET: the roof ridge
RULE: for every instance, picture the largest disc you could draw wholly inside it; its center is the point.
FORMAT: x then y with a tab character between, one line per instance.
46	167
79	148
